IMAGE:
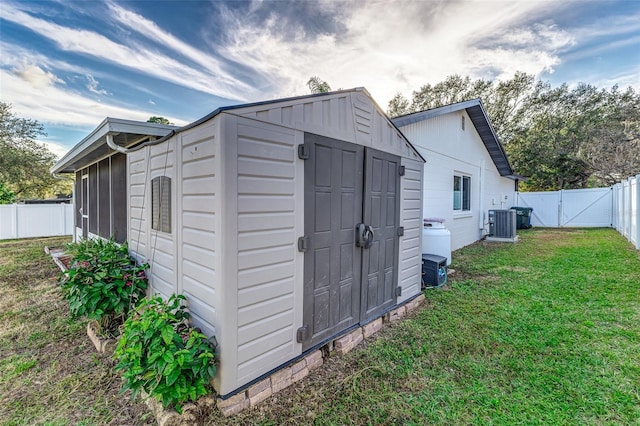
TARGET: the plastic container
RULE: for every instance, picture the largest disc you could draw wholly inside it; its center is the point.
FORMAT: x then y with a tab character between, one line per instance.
523	217
436	238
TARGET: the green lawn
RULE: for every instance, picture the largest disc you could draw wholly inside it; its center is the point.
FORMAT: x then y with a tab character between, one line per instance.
545	331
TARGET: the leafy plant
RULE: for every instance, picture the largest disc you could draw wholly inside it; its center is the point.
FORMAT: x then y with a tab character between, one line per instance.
160	353
104	282
6	195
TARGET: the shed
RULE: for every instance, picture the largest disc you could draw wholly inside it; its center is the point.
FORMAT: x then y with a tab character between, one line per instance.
467	172
285	223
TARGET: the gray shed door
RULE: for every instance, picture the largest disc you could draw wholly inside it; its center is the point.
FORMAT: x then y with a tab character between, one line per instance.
345	283
381	212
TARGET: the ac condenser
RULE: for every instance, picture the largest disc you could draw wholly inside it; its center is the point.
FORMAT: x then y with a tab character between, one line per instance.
502	223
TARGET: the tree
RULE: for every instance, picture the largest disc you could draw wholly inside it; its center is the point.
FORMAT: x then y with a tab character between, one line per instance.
24	162
159	120
559	137
398	105
6	195
316	85
614	149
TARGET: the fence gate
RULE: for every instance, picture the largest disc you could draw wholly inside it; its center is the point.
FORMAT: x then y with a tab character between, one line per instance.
592	207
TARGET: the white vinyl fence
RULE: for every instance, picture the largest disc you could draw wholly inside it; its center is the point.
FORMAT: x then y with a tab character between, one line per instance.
616	207
626	202
35	220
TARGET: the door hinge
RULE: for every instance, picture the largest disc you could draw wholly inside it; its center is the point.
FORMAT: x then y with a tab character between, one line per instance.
398	291
401	170
400	231
303	152
303	244
301	334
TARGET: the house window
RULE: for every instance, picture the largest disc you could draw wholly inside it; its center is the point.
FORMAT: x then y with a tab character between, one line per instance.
161	204
461	193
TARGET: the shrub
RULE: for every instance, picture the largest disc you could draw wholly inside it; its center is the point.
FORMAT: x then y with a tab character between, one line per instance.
103	283
159	352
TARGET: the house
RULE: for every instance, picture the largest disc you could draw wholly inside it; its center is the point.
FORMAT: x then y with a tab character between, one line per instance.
285	223
467	171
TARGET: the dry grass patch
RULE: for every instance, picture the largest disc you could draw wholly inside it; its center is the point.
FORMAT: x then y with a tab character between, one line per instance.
50	372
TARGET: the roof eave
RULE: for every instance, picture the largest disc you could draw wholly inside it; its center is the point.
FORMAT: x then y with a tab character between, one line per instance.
490	140
97	138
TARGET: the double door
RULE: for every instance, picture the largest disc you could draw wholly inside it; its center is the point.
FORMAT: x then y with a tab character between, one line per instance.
352	208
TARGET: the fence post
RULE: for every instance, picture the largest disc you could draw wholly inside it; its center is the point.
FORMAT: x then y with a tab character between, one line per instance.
560	212
16	228
636	208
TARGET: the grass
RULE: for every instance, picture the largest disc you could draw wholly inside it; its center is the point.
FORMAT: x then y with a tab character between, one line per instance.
545	331
50	374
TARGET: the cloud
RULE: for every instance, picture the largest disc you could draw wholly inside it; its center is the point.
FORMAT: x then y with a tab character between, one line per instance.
399	46
93	84
55	104
133	56
58	149
151	31
36	76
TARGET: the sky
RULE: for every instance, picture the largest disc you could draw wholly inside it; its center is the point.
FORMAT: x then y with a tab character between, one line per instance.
69	64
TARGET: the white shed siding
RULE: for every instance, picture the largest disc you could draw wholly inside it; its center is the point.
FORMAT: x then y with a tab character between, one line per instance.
161	254
137	219
350	116
450	150
328	115
198	228
411	216
237	212
269	217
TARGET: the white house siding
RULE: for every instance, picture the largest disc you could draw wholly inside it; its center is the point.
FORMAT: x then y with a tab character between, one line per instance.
449	150
264	267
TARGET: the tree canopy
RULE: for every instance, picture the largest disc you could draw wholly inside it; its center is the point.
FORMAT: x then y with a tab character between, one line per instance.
558	137
159	120
317	85
24	162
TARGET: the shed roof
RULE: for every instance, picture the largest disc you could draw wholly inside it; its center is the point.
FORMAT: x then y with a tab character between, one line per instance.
128	133
482	123
290	99
125	133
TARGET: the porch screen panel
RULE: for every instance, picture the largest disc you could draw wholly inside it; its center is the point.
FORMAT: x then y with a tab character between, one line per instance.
104	185
77	201
93	199
119	197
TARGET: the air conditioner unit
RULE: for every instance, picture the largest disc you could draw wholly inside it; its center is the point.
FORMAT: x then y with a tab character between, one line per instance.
502	223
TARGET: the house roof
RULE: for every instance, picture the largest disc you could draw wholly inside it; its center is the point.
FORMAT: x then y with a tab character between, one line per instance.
482	123
125	133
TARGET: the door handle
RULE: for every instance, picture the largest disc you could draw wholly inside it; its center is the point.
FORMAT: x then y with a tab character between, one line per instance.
364	235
